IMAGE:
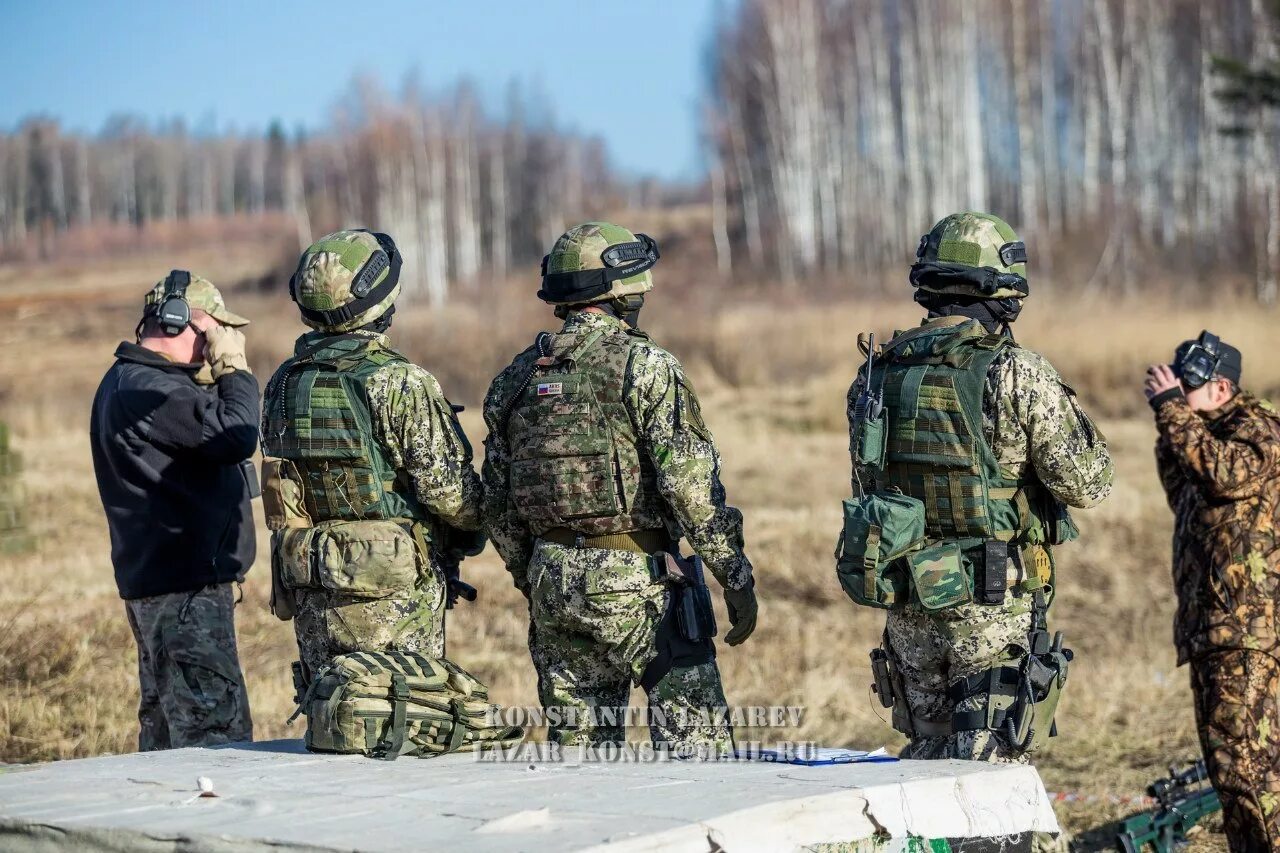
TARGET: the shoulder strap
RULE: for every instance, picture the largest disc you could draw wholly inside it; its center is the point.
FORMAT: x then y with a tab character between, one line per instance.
542	345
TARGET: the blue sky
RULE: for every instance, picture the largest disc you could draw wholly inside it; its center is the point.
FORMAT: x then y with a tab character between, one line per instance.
628	71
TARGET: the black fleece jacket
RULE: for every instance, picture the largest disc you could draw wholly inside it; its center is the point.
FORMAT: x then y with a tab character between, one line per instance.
167	454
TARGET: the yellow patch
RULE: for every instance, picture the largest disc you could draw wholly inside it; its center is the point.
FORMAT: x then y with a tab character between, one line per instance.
1264	732
1257	567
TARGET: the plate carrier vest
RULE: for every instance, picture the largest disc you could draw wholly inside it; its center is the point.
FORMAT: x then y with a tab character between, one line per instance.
318	417
575	460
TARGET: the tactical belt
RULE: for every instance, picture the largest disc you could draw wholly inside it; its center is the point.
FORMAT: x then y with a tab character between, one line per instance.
638	541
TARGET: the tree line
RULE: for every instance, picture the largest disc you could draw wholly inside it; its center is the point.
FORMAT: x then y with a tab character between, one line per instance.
461	191
839	130
836	131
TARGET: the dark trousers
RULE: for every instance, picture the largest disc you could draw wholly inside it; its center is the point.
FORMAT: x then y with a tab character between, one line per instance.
193	691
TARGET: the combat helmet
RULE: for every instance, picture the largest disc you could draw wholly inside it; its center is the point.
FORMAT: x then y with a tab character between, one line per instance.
971	254
346	280
598	262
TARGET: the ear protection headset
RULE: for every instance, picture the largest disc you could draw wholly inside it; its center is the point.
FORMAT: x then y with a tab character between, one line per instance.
172	311
1198	363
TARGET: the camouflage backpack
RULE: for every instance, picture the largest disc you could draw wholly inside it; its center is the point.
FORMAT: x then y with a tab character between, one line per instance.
388	704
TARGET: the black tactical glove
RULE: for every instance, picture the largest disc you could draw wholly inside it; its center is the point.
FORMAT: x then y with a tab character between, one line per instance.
456	546
742	613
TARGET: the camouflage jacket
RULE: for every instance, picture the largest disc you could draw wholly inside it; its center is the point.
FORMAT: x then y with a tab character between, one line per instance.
1035	425
668	423
421	434
1219	471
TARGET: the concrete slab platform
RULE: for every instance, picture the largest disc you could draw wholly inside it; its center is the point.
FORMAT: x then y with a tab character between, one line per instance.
274	795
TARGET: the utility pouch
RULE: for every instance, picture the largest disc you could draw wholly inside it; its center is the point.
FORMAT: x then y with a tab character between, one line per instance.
879	528
282	495
938	574
366	559
281	596
995	572
870	443
882	683
250	473
1062	528
695	617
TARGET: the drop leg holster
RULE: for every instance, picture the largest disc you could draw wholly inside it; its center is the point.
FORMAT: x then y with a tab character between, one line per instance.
1022	695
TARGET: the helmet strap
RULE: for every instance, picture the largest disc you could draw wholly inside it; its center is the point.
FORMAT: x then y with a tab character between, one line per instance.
627	308
381	324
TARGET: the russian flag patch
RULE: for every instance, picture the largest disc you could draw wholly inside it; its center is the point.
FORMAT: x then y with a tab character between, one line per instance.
550	389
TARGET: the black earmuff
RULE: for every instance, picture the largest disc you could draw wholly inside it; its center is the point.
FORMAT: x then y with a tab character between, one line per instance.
173	311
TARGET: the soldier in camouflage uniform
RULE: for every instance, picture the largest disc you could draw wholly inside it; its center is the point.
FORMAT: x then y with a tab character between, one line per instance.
597	458
987	435
368	460
1218	454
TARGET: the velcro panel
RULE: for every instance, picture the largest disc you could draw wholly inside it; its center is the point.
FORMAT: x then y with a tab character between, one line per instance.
960	252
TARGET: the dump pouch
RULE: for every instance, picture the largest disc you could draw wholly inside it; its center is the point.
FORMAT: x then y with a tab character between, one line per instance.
282	500
879	528
939	577
366	559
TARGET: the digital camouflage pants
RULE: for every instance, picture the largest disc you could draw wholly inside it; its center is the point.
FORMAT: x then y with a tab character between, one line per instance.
328	624
931	650
599	625
193	691
1236	711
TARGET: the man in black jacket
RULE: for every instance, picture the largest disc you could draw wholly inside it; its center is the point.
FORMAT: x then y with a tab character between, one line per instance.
174	424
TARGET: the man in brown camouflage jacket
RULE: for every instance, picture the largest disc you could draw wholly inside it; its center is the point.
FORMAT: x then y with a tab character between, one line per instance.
1218	454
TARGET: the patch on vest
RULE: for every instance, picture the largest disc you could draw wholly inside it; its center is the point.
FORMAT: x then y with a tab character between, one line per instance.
550	389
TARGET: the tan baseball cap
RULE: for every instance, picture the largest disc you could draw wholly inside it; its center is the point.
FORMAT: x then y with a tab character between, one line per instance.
200	294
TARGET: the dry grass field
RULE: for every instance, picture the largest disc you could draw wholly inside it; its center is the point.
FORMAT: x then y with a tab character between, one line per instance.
772	372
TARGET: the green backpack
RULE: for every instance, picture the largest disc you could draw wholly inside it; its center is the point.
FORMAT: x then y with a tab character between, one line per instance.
388	704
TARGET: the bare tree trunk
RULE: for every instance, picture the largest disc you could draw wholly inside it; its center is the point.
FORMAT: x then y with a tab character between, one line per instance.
499	247
975	150
1028	182
719	218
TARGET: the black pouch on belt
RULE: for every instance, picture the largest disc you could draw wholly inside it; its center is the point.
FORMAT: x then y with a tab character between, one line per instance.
692	600
995	572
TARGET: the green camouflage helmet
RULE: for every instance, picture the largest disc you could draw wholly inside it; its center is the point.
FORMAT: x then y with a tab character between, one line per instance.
972	254
346	279
597	262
